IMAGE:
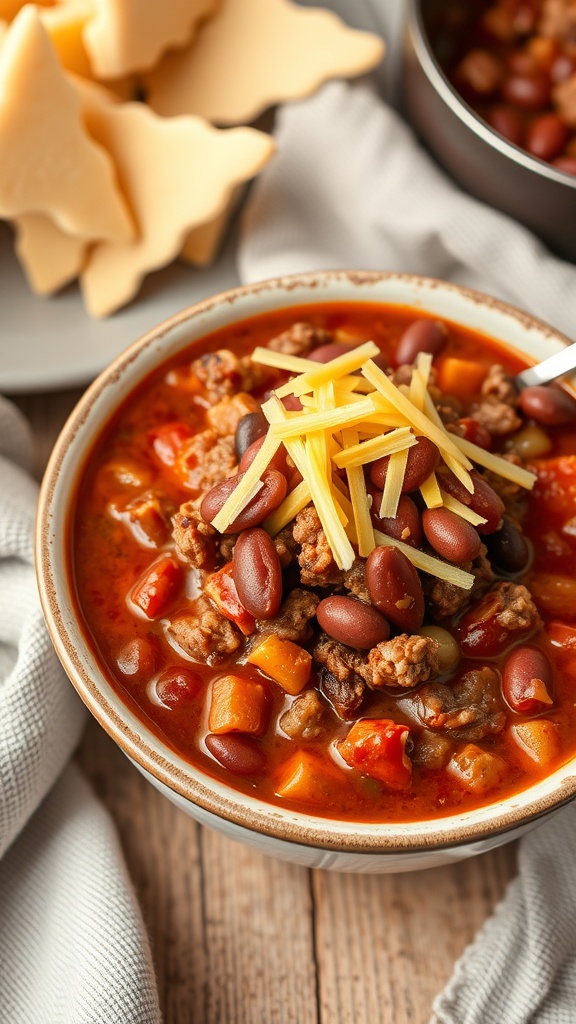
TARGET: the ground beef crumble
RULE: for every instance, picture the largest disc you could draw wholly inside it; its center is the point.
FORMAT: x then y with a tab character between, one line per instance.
470	709
355	580
195	540
497	410
223	373
514	608
403	661
204	460
225	416
293	619
300	339
317	565
204	634
303	720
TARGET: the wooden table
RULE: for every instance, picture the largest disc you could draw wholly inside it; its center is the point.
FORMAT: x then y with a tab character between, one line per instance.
239	938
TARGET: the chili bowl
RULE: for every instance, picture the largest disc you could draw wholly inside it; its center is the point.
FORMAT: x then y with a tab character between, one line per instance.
484	162
309	839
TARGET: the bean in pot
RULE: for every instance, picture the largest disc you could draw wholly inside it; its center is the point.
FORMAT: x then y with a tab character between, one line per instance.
250	427
395	588
421	336
138	658
270	495
479	72
451	536
406	525
423	457
549	406
351	622
448	649
506	121
257	573
527	680
485	502
546	137
325	353
236	753
177	685
507	548
529	92
278	460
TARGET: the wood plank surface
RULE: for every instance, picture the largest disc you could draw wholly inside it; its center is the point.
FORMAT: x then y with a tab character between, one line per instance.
239	938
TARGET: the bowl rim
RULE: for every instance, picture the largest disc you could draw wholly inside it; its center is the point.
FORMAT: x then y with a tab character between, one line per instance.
457	104
128	730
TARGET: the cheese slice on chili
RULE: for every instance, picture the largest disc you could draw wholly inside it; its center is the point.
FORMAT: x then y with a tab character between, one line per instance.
177	173
254	54
123	36
50	165
50	257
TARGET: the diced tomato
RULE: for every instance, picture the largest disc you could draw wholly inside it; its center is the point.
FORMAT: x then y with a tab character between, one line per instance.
167	440
476	433
157	586
220	587
555	491
376	747
563	639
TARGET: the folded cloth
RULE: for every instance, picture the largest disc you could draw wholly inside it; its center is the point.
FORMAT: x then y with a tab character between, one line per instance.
350	187
73	949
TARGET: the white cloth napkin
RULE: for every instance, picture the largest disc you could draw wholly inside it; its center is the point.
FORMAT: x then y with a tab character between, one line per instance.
73	949
351	187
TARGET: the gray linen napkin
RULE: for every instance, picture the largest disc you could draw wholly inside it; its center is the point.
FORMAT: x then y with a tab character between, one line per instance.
73	949
351	187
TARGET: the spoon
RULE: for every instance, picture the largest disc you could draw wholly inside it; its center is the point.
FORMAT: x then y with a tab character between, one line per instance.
555	366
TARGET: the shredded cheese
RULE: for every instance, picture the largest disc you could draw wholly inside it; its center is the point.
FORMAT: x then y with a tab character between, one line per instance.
248	486
293	503
427	563
430	491
324	419
462	510
497	464
393	484
375	448
359	500
342	366
420	378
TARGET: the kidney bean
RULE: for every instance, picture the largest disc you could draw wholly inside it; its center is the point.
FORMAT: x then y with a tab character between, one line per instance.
450	535
485	502
507	548
351	622
566	164
250	427
278	460
546	136
236	753
177	685
257	510
480	72
527	680
549	406
563	67
325	353
529	92
292	403
395	588
507	122
421	336
423	457
257	573
138	658
522	62
406	525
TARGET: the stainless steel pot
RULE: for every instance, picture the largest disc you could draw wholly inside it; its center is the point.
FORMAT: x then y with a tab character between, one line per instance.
481	161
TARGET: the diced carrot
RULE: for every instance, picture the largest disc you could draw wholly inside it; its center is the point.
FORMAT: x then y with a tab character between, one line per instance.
460	377
221	589
309	778
167	440
538	740
476	770
376	747
238	705
157	586
285	662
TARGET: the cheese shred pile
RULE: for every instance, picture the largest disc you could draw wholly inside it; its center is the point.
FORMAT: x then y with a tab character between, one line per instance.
352	414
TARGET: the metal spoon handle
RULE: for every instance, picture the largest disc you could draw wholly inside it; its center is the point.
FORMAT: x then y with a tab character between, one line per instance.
556	366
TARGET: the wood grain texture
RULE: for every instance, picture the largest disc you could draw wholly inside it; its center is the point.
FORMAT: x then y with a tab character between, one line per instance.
239	938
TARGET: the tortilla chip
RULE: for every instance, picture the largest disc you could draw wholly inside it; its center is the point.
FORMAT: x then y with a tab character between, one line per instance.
49	257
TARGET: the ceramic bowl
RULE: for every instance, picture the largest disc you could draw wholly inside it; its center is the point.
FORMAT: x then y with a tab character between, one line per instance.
305	839
482	161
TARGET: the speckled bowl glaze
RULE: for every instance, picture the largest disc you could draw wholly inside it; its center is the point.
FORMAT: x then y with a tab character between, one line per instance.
485	163
305	839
